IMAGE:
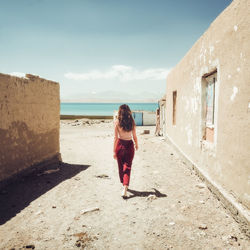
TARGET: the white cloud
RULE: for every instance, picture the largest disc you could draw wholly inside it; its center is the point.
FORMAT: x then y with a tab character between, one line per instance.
121	72
18	74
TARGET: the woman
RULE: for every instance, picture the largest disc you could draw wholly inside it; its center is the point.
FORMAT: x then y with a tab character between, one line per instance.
125	137
157	127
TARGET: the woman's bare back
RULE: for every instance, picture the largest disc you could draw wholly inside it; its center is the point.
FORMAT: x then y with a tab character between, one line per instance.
122	134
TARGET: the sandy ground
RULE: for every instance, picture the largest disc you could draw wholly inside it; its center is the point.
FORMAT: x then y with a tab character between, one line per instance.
78	205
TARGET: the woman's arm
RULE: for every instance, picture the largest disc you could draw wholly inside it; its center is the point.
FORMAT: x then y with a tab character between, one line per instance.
135	137
115	139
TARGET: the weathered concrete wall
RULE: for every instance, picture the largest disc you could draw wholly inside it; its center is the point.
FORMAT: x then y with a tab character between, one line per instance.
224	47
149	118
29	123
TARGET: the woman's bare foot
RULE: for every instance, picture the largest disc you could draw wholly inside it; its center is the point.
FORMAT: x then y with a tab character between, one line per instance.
124	192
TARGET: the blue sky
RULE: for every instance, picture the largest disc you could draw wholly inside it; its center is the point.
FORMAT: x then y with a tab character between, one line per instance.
102	50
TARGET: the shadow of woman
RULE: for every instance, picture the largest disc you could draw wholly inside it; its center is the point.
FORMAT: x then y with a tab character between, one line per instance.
135	193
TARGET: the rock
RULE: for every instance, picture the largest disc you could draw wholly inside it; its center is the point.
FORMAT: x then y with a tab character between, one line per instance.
38	212
102	176
50	171
151	197
31	77
30	246
77	178
203	227
90	210
202	202
201	185
171	223
53	206
78	244
233	238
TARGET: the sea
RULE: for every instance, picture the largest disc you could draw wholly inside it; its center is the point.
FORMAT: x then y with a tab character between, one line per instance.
102	109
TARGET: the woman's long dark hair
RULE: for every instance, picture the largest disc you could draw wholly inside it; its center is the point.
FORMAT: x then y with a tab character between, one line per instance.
125	118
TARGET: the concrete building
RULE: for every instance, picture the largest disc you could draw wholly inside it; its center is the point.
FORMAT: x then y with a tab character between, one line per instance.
29	124
208	106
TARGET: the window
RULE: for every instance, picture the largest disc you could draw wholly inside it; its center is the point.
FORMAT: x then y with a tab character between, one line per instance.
208	103
174	107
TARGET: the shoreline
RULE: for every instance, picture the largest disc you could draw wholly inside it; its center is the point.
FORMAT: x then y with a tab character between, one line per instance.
109	102
93	117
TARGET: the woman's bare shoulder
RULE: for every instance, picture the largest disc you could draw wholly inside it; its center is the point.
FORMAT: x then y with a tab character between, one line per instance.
116	122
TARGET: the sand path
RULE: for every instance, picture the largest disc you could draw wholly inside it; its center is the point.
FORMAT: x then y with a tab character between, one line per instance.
79	205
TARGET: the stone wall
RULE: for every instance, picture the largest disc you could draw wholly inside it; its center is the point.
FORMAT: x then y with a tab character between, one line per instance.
223	154
29	123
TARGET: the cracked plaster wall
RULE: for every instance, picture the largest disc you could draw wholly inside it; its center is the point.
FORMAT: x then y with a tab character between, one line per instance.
29	122
224	46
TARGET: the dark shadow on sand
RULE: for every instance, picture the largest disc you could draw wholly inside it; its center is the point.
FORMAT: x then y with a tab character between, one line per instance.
18	194
135	193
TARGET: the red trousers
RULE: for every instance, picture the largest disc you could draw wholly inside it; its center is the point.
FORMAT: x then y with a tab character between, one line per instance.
125	153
